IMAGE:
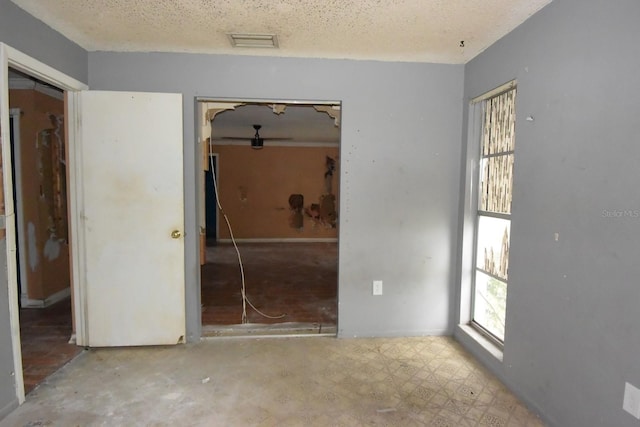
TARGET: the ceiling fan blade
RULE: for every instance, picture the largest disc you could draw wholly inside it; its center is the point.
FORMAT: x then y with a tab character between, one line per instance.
255	136
244	138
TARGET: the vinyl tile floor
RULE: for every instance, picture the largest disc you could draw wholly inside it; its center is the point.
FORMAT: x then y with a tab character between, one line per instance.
320	381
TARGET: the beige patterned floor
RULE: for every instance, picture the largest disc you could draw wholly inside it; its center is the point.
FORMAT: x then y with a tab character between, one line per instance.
277	382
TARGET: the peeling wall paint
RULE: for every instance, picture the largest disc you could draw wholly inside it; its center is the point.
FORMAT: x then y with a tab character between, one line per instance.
296	202
34	258
52	248
324	213
52	176
328	213
328	175
43	193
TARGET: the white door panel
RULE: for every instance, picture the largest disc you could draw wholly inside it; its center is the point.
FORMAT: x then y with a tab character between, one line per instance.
132	201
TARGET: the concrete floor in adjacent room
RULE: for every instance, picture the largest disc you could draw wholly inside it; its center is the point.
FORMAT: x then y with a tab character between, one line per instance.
311	381
44	339
296	283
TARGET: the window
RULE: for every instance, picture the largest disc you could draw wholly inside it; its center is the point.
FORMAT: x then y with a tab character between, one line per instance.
493	226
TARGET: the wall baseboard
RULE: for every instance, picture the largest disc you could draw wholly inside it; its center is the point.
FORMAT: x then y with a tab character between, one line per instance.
42	303
8	408
401	333
284	240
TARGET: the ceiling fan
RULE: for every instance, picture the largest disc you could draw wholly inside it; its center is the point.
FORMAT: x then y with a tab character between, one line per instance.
257	142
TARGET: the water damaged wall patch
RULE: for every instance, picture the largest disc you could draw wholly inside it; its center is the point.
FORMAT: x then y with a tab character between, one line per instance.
296	202
323	213
52	177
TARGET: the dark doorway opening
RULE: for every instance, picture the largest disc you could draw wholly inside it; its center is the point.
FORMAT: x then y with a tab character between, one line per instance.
38	154
211	207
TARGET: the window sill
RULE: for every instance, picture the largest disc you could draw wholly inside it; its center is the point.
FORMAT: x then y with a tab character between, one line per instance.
479	345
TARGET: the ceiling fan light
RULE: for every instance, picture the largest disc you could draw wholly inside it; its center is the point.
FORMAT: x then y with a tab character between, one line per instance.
257	143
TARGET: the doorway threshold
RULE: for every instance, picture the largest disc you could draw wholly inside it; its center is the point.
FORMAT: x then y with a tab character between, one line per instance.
287	329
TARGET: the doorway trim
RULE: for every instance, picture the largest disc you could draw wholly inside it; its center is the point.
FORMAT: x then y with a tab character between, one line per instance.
10	57
14	114
203	130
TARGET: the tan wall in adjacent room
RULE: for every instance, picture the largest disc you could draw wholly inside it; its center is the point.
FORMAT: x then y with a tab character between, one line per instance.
255	187
47	251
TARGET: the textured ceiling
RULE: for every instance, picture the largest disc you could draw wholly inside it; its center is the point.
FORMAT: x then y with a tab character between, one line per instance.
392	30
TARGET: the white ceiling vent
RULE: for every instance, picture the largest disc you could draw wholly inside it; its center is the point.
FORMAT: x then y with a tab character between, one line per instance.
253	40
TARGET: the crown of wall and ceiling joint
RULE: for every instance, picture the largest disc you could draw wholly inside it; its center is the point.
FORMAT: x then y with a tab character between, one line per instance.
253	40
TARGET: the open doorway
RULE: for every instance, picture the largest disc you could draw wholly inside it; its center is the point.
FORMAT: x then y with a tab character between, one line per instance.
211	204
272	265
39	172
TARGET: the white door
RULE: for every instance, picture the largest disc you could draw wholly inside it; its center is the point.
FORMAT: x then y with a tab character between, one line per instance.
132	217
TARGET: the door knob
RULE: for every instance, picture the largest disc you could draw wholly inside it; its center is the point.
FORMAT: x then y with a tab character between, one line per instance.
175	234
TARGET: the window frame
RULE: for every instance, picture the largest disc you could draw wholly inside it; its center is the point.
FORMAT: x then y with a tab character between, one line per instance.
476	146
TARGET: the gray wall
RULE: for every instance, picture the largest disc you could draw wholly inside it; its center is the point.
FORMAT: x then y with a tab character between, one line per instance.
8	398
573	329
400	151
22	31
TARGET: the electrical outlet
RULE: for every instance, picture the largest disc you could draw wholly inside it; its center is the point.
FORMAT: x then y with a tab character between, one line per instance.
377	287
631	402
